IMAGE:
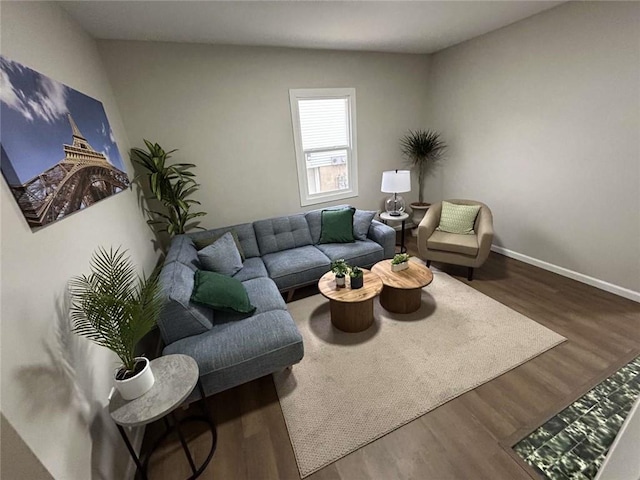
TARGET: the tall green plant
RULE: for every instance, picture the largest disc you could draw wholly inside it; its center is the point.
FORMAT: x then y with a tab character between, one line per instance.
113	306
171	185
423	149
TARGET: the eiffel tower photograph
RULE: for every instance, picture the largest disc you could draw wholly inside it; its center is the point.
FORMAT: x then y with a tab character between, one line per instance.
58	154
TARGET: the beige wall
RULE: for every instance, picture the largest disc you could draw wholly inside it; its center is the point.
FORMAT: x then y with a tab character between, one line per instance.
227	110
544	119
54	386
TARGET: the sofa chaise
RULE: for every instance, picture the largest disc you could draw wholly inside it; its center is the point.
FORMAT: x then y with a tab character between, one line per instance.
280	255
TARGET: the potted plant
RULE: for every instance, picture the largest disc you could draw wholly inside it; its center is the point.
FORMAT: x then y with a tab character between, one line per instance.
171	185
340	268
356	277
400	262
424	149
115	308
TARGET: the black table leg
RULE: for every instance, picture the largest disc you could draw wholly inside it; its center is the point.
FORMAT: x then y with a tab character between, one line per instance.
139	466
403	249
192	464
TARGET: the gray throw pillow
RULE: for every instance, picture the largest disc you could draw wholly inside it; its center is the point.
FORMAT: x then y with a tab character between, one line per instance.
361	222
221	256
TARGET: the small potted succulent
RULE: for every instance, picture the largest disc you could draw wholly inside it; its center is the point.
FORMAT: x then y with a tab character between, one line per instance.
340	268
400	262
356	277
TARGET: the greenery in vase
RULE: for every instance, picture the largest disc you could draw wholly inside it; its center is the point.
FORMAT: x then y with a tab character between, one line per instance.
355	272
171	185
340	267
113	306
424	149
400	258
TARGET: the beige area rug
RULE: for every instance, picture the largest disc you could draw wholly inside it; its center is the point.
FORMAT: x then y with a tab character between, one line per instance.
352	388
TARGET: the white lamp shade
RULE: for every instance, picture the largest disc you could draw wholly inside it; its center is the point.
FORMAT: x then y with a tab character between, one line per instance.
396	181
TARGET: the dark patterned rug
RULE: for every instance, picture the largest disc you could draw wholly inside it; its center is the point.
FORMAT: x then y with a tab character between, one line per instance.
573	444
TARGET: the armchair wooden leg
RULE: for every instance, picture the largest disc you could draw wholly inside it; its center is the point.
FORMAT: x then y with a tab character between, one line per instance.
470	274
428	263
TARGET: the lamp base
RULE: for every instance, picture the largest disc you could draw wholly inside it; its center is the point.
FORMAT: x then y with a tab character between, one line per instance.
394	205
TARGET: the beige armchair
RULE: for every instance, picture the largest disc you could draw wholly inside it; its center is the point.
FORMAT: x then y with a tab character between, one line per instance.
467	250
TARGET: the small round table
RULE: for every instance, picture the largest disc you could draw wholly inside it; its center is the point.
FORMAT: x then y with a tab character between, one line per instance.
402	290
175	378
386	217
351	309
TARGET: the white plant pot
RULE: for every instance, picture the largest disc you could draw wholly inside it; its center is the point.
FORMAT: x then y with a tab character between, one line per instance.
340	281
136	386
399	266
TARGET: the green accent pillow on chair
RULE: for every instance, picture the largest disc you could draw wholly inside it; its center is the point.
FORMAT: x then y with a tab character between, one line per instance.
220	292
457	218
337	226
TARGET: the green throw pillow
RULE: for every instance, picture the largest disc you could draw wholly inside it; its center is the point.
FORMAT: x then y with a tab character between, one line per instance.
337	226
201	243
457	218
220	292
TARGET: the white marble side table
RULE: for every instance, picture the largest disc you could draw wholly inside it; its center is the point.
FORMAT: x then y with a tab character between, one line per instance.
176	377
386	217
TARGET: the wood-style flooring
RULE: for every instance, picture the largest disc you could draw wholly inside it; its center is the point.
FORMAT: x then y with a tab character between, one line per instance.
466	438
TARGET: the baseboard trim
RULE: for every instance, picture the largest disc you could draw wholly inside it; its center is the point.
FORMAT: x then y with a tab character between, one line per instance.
565	272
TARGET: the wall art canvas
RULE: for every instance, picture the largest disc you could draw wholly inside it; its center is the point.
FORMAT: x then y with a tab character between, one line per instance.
58	154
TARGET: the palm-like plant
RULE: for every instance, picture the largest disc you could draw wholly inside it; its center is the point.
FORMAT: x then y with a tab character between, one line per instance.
113	306
171	185
424	149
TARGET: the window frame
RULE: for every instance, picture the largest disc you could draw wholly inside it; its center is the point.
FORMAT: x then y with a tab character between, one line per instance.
349	94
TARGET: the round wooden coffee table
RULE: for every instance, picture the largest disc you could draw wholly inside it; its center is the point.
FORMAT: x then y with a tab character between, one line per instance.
351	310
402	290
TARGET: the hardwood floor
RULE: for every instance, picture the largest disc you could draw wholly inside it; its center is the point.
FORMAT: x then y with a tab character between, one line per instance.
466	438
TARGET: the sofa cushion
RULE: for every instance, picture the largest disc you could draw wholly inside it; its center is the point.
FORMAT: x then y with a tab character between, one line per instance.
221	256
456	218
337	226
361	253
221	292
361	222
245	234
180	317
453	242
296	267
314	220
282	233
236	352
263	294
252	268
202	243
184	251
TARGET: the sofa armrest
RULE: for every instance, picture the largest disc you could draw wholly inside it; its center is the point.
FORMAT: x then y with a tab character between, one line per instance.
427	226
385	236
484	231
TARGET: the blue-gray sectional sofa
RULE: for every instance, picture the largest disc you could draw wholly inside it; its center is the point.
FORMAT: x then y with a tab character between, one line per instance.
281	254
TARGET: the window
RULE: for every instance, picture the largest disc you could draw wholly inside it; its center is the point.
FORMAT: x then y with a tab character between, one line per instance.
325	141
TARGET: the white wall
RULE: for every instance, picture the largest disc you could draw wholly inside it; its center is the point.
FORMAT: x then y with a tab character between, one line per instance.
543	119
227	110
54	386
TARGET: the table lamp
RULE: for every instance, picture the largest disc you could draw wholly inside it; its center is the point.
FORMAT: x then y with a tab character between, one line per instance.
395	181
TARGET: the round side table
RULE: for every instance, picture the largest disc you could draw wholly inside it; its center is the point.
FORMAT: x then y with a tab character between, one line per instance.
175	378
351	309
386	217
402	292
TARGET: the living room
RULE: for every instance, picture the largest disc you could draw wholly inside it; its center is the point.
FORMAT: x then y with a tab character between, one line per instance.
526	109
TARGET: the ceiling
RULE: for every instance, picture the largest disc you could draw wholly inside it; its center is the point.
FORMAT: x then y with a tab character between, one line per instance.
381	26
